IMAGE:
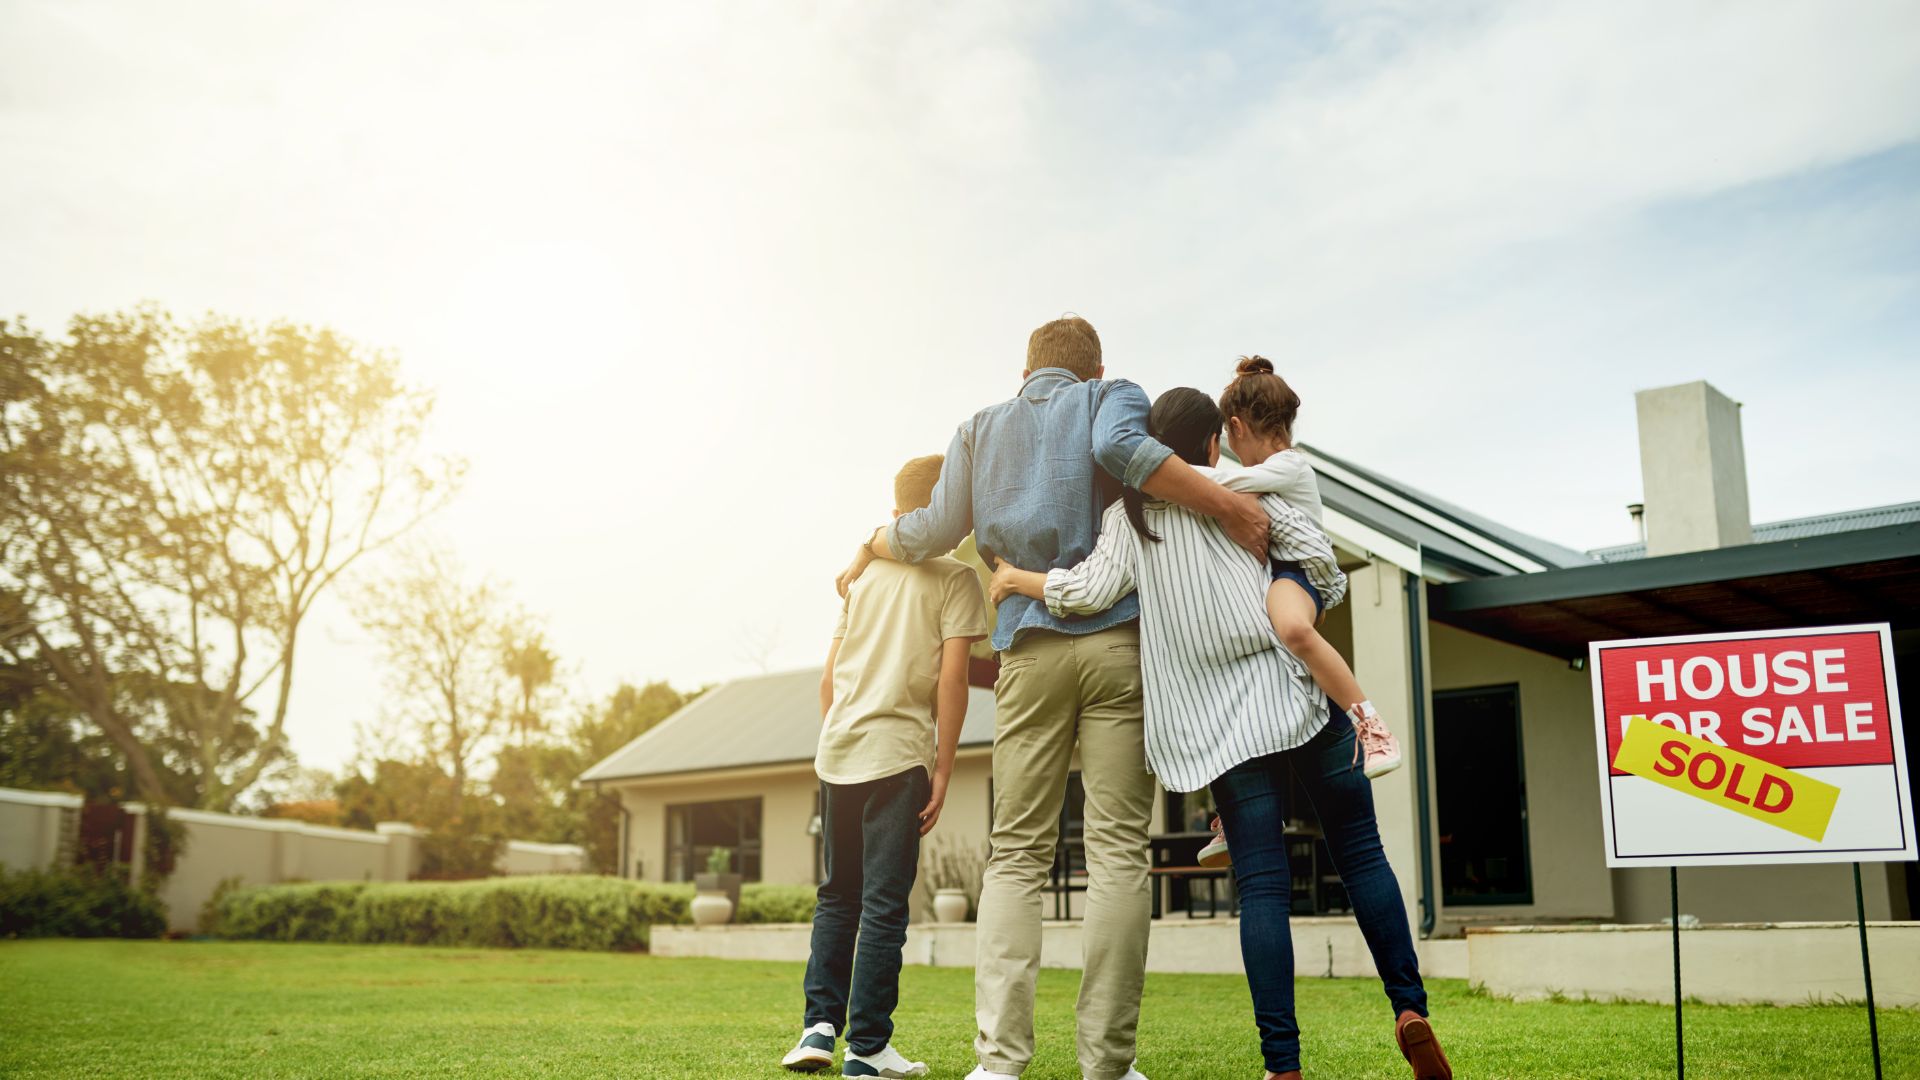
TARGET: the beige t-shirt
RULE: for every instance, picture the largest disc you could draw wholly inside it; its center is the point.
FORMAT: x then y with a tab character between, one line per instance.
891	628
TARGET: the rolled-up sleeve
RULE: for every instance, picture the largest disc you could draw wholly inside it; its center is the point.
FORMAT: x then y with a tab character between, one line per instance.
1294	537
1120	441
939	526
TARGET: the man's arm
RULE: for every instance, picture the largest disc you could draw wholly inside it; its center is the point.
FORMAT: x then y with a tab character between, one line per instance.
1122	447
1240	514
934	529
826	680
950	714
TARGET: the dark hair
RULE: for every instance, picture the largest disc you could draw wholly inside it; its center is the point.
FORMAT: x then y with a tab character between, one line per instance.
1262	400
1185	420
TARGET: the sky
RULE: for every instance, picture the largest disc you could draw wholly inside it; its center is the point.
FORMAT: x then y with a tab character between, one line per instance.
691	281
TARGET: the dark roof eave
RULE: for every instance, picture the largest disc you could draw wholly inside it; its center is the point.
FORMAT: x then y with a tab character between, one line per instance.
1669	571
676	773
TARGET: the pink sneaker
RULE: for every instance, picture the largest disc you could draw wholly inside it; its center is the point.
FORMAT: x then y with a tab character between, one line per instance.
1373	738
1215	855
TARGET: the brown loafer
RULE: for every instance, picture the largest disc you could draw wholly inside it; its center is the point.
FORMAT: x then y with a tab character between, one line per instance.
1421	1047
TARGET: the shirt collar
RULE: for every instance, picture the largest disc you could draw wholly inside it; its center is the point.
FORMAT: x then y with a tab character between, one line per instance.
1046	381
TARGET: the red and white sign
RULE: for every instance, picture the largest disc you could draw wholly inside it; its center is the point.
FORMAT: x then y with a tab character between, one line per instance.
1760	728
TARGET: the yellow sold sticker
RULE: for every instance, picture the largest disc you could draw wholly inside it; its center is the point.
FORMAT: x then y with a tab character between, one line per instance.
1727	778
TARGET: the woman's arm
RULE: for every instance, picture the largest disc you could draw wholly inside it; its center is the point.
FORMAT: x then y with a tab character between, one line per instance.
1295	538
1102	578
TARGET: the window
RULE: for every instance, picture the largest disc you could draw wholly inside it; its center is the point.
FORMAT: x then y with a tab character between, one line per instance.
695	829
1482	797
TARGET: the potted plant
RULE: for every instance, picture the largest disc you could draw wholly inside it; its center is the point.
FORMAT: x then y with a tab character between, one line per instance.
953	873
716	892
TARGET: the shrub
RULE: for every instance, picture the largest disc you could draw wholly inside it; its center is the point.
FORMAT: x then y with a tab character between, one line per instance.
77	902
551	912
775	904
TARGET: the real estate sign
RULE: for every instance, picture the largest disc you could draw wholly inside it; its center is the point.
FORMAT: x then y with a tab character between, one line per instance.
1772	746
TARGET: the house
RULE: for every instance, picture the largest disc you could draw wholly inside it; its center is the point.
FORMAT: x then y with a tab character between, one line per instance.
1471	636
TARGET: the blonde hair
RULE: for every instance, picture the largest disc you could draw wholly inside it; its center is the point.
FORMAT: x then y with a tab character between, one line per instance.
913	485
1067	342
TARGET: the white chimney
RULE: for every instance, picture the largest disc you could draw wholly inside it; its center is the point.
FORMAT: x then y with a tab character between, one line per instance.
1693	469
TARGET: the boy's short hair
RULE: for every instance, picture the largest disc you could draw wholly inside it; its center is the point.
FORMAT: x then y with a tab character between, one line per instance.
913	487
1067	342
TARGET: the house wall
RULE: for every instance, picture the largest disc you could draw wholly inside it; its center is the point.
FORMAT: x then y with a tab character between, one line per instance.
787	807
1566	851
1371	629
1568	861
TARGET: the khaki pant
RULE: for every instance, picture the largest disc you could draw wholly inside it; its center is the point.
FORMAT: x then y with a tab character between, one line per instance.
1056	689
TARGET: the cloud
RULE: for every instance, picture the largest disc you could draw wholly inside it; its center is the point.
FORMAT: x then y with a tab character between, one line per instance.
692	280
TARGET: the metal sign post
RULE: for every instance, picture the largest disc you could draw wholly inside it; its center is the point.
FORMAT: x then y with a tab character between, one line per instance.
1679	1035
1866	968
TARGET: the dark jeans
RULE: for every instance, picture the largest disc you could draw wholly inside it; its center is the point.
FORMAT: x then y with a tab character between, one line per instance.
872	834
1251	798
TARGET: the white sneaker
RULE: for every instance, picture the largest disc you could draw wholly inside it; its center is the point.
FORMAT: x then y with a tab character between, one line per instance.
813	1052
888	1062
1133	1073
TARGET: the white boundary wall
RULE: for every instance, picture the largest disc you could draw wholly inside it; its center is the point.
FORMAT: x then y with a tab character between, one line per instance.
40	829
37	828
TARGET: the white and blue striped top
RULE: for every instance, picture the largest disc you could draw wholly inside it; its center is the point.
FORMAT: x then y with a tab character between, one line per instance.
1219	687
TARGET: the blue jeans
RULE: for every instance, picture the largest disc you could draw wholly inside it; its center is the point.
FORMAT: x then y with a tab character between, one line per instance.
1251	798
872	834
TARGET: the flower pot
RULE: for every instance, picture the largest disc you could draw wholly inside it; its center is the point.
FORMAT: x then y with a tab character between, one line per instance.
711	909
950	905
727	885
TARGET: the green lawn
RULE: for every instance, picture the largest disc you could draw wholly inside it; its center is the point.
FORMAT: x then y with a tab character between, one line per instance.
170	1009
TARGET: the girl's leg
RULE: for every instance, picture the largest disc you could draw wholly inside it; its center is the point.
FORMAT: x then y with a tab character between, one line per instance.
1293	613
1251	798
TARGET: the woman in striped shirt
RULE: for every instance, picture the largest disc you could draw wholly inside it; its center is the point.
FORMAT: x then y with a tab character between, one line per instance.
1227	707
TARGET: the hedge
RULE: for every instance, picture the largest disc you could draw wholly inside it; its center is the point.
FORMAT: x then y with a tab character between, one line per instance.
545	912
77	902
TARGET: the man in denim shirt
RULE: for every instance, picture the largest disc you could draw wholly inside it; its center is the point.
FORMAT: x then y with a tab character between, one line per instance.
1030	478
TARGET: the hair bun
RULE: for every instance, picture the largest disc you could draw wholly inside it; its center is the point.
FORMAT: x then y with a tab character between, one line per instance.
1254	365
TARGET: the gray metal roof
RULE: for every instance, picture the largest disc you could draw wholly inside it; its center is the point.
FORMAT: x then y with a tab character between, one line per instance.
1474	560
1872	517
763	720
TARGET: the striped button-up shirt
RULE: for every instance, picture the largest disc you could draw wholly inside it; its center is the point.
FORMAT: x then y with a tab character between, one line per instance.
1220	689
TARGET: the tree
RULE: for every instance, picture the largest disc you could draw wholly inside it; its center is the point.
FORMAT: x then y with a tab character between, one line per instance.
177	499
628	713
439	635
531	666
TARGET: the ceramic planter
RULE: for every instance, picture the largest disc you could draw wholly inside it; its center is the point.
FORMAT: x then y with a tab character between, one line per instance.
950	905
711	909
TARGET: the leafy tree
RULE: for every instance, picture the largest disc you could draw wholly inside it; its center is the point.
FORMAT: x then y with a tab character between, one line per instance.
439	633
177	498
531	667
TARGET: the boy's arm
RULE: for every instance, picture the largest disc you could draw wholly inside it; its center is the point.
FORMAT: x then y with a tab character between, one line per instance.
950	714
826	680
1102	578
1295	538
963	621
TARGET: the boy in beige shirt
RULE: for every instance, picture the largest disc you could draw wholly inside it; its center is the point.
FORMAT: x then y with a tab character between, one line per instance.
896	674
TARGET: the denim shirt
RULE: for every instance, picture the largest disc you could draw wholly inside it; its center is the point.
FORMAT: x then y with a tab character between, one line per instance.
1030	478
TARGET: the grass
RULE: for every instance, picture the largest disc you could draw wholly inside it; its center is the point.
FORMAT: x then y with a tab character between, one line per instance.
176	1009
